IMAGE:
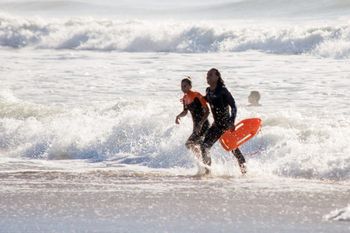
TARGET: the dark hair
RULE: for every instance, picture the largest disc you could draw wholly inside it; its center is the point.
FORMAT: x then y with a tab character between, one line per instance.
256	94
187	80
217	73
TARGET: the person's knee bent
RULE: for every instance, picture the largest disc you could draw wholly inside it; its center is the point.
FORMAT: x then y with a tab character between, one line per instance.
189	144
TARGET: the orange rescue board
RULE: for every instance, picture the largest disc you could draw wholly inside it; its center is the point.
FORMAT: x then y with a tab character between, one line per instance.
244	131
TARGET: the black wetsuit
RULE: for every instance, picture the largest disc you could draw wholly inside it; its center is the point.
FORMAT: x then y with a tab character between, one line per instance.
220	101
196	104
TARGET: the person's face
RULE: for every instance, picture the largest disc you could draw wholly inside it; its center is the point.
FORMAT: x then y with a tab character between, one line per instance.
252	99
185	87
212	78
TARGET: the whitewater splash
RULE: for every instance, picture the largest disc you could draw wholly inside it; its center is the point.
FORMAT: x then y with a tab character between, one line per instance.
177	37
290	146
112	132
88	140
339	215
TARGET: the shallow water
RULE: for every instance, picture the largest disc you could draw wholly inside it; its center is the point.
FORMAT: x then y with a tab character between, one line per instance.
87	109
110	200
120	107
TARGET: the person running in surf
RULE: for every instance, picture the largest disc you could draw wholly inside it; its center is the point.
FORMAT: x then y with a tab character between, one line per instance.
220	101
196	104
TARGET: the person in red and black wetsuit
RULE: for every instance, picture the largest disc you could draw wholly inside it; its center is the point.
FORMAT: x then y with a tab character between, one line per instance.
196	104
220	101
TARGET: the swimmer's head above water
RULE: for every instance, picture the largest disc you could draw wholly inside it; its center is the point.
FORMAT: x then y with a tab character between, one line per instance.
186	84
254	98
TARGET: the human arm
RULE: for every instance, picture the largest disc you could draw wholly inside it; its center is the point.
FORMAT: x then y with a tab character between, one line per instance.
182	114
231	102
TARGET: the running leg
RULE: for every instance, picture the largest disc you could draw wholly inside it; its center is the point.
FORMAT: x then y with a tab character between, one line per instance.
241	160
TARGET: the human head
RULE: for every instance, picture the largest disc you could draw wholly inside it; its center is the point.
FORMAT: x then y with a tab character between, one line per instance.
186	84
254	97
214	78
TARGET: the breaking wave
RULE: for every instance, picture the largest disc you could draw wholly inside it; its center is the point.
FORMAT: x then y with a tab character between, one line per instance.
291	145
177	37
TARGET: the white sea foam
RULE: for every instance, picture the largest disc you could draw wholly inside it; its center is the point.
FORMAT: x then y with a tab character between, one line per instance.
178	37
339	215
290	146
35	131
87	108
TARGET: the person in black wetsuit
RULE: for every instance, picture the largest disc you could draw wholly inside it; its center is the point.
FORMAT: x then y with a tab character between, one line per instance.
197	105
220	101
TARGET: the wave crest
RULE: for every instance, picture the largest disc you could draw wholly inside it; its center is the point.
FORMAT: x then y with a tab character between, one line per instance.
291	145
177	37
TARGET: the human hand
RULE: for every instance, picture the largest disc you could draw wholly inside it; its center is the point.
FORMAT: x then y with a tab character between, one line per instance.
177	120
231	125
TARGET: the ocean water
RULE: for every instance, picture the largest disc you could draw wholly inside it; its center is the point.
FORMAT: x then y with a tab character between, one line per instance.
89	91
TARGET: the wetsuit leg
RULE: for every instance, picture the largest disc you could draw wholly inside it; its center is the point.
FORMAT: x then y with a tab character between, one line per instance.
239	156
213	134
194	141
205	128
241	160
191	140
194	138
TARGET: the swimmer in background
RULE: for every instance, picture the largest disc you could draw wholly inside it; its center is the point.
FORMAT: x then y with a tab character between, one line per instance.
253	99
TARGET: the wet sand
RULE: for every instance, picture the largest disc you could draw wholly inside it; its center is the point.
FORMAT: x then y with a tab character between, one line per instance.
126	201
